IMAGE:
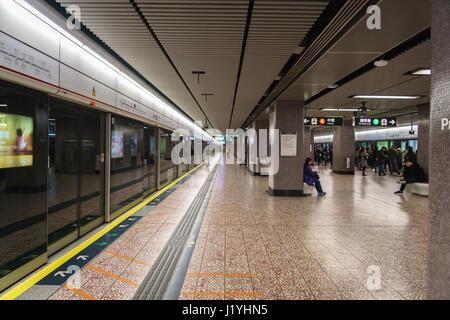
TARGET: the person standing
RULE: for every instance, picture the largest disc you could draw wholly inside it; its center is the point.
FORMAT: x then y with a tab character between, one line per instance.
364	159
393	166
378	157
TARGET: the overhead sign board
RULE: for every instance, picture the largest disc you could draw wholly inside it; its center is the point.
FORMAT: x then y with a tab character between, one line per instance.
324	121
375	122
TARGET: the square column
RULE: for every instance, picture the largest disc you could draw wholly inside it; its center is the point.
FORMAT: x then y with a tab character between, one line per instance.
423	137
258	125
288	117
439	200
344	148
308	143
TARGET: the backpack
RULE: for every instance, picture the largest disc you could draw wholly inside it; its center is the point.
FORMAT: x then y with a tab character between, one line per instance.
422	177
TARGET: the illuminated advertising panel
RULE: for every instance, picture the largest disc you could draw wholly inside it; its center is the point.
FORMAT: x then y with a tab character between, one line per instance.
16	141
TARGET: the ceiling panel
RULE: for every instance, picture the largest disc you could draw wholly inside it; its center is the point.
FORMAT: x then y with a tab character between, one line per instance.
202	36
276	29
124	32
358	47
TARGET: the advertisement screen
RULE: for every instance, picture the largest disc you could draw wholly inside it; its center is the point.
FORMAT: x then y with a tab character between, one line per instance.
16	141
116	144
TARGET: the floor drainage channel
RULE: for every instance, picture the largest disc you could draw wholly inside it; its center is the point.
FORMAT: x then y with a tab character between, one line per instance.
157	281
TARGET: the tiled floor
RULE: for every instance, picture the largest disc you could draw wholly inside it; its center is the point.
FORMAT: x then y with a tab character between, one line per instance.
253	246
117	272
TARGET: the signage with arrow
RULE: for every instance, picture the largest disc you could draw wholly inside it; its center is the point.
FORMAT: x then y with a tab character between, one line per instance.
375	122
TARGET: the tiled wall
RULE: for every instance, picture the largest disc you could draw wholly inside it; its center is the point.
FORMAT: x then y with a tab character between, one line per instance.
343	147
288	116
423	137
439	199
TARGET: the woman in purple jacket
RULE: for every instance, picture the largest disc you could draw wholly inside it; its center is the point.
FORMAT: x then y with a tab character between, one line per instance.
312	177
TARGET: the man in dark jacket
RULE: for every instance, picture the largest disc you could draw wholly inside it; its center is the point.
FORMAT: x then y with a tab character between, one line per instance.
393	166
413	173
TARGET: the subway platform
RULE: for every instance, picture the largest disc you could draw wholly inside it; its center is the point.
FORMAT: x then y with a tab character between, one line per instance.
360	241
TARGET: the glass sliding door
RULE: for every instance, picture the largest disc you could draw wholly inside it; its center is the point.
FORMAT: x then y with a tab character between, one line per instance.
23	182
169	170
127	164
76	172
149	164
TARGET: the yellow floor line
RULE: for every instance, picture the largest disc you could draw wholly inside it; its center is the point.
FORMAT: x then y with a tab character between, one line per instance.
27	284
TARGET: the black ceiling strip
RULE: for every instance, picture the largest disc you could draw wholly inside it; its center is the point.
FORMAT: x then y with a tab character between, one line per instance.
155	37
60	9
389	55
324	19
241	61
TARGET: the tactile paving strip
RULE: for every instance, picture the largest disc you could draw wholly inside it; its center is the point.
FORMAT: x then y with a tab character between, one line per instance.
155	283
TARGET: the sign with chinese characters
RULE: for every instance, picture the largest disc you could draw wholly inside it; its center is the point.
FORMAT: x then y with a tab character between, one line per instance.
324	121
19	57
375	122
288	141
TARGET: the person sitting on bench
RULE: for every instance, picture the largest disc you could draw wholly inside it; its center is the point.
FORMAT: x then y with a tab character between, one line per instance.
312	177
412	173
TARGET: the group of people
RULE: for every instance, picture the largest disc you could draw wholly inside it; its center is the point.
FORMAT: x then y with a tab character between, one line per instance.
404	163
382	159
323	156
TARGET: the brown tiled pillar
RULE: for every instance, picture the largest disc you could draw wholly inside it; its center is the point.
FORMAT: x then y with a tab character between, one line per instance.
423	137
288	118
308	143
439	200
258	125
343	148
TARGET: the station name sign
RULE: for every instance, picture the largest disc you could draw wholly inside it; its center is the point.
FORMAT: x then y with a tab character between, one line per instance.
375	122
324	121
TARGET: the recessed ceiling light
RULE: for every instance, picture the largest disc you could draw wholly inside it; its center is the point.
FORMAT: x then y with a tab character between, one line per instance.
361	96
381	63
420	72
333	86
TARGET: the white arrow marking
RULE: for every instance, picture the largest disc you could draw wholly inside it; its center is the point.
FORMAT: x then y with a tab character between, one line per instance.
132	219
123	226
82	257
61	273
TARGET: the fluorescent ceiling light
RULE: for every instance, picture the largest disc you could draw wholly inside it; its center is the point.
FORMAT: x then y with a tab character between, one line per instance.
370	96
421	72
3	105
337	109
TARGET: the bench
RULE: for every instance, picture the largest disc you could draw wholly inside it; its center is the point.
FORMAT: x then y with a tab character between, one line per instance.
307	189
418	188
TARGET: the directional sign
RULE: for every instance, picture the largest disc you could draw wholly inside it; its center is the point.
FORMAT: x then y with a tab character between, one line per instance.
324	121
375	122
61	273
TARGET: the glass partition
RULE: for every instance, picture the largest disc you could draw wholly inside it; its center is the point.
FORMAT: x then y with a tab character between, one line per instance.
168	171
23	181
76	175
127	165
149	164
